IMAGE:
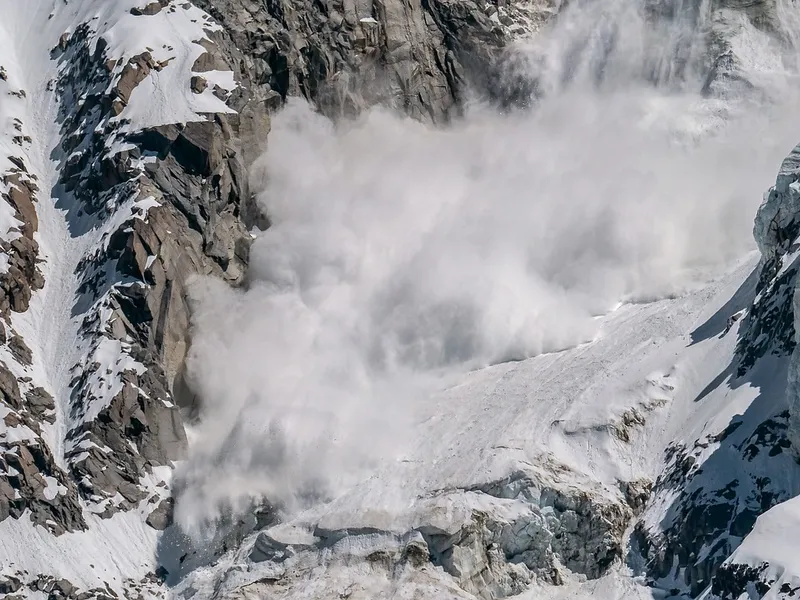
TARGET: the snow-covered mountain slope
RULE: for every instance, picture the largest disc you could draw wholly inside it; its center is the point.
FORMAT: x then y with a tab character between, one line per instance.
529	353
547	488
132	125
629	467
89	418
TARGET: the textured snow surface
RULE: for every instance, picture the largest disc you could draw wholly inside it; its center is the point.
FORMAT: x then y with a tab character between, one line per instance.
551	417
164	97
121	548
774	540
111	551
547	417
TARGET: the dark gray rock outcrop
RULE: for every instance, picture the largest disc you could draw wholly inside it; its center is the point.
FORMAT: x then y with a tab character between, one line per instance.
717	498
347	55
30	479
23	276
192	208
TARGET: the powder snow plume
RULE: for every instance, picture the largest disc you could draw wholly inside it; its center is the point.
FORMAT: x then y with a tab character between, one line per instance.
399	252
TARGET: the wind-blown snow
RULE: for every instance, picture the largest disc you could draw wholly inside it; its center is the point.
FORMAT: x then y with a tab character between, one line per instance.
431	309
399	254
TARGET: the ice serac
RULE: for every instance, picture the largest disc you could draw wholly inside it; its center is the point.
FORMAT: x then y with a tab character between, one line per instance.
771	324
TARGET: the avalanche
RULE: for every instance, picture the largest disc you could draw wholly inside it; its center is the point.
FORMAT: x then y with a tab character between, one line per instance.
532	352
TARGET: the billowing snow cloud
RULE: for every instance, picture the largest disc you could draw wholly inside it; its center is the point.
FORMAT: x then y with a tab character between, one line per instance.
399	252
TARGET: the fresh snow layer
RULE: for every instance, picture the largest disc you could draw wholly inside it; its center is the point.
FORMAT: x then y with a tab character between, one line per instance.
110	551
773	543
172	37
546	416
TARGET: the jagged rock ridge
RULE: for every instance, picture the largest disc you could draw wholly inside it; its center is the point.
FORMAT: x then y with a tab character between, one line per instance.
151	199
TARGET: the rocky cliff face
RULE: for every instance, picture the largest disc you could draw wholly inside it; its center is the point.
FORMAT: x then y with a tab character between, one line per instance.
719	486
418	58
129	129
776	231
141	205
150	199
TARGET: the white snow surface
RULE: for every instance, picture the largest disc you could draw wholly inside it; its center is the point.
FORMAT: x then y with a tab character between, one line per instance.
111	550
773	539
773	544
431	250
164	97
121	548
546	416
